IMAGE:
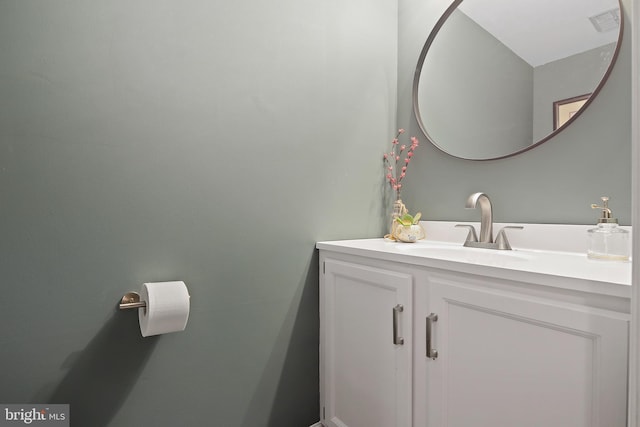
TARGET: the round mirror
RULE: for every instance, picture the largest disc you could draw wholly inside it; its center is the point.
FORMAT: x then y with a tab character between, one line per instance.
499	77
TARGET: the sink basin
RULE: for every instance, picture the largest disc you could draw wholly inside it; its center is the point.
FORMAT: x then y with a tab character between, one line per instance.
463	254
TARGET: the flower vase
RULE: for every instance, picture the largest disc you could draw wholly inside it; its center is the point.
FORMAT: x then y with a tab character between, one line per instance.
399	209
409	233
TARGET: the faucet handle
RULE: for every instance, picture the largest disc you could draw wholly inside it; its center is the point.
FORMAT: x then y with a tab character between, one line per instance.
501	238
472	236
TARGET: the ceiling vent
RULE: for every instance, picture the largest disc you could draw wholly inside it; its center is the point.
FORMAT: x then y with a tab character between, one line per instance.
606	21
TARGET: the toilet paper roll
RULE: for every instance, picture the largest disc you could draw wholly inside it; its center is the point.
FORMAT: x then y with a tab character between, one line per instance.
167	308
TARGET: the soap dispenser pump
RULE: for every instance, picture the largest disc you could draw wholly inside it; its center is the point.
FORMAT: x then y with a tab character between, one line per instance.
607	241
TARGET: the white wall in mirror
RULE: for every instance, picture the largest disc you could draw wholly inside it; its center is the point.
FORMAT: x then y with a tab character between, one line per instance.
555	29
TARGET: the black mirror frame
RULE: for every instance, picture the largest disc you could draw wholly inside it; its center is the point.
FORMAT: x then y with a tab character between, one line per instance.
423	55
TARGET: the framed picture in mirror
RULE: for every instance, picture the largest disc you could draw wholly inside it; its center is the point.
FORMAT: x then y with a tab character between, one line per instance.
565	109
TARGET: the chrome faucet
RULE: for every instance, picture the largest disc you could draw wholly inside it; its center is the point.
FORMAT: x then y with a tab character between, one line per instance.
486	215
486	226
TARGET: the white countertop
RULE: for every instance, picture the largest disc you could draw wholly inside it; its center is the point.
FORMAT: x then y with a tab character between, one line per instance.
569	270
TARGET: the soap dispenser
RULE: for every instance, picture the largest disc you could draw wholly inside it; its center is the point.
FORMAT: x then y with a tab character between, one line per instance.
607	241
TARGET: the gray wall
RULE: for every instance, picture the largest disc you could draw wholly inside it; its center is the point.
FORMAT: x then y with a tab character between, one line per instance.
566	78
210	142
553	183
481	84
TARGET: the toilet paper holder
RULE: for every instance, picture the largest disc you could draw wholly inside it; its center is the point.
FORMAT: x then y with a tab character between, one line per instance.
132	300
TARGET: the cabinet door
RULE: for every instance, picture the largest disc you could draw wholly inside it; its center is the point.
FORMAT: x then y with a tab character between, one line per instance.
507	360
366	338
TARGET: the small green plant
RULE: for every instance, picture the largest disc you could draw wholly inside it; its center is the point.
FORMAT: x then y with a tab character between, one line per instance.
407	219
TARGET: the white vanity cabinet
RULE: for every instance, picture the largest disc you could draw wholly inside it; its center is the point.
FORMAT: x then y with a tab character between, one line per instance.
366	319
505	352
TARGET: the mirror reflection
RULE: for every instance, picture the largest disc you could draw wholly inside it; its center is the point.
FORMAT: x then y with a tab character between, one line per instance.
498	77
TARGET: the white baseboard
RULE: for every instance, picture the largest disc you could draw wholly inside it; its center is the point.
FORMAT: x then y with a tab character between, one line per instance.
318	424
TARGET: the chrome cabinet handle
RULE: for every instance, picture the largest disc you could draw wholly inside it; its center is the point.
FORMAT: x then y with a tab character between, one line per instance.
396	314
431	352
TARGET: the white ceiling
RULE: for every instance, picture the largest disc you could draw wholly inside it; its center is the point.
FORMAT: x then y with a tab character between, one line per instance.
541	31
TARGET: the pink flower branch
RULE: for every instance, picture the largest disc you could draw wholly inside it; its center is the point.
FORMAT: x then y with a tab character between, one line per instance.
398	154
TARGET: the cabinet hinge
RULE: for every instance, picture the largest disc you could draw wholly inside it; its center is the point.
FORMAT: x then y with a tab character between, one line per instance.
324	267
